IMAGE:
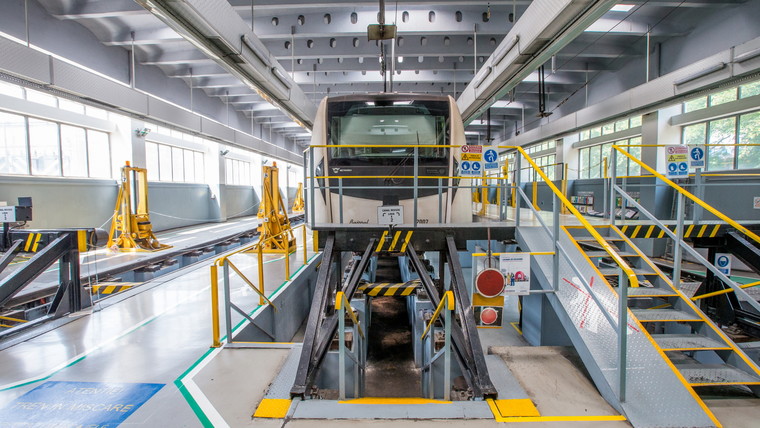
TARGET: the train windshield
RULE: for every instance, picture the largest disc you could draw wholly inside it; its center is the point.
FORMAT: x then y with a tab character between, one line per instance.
388	122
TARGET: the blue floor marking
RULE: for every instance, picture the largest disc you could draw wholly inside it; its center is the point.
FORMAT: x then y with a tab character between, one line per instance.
77	404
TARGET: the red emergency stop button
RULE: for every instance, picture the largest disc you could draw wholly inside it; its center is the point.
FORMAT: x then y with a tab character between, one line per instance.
489	282
488	316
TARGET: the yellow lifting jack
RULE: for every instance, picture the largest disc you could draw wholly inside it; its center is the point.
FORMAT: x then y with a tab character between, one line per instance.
131	218
298	203
276	235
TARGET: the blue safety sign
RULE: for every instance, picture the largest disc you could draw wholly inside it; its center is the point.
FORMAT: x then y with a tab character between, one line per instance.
723	262
677	161
77	404
470	168
697	157
491	159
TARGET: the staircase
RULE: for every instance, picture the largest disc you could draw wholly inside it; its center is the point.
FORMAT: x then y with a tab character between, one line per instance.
673	350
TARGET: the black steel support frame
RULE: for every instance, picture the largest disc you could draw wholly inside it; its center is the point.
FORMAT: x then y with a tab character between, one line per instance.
69	297
323	322
465	337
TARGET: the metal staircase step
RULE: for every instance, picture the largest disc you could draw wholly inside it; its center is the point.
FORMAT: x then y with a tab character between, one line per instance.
600	253
674	342
716	374
606	238
650	291
651	315
616	271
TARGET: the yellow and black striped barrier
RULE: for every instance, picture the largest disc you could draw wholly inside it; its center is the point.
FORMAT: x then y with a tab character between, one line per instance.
396	241
32	242
690	230
113	287
390	288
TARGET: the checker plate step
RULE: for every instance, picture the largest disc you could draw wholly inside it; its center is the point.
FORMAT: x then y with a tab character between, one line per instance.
663	315
715	374
687	341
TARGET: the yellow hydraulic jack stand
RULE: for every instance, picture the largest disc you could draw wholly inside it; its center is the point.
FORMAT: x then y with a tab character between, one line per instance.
298	204
276	235
131	218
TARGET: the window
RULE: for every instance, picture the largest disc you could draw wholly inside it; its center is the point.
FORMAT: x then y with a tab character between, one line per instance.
722	96
41	98
721	135
238	172
14	158
547	165
168	163
591	159
69	105
74	151
749	90
98	154
609	128
11	90
44	147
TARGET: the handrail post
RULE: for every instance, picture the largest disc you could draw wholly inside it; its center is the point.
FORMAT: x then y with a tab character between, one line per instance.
215	306
416	183
227	302
340	198
518	161
447	353
261	274
287	257
440	199
613	181
700	194
677	251
622	333
311	187
555	232
341	345
305	251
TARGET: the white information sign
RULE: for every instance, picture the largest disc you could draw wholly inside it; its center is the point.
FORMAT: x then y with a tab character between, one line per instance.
756	202
677	161
7	214
697	157
723	262
390	214
516	270
491	159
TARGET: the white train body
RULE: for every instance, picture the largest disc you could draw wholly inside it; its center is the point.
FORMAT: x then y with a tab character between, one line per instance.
384	173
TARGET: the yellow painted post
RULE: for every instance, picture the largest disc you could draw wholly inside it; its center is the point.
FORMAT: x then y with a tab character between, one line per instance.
305	253
564	188
215	307
287	258
261	274
535	196
605	167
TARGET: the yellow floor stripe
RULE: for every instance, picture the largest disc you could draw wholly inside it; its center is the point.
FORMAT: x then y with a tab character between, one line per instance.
520	407
515	325
276	408
499	418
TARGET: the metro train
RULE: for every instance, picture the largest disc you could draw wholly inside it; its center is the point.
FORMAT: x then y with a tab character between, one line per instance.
381	176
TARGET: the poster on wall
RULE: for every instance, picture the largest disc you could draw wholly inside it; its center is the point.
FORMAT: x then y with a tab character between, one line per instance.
516	270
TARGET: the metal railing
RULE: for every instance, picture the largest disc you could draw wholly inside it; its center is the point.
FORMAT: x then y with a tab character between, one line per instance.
677	237
447	306
228	266
357	356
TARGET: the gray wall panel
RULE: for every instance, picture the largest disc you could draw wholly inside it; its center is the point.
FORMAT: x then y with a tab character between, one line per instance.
21	61
175	205
73	79
158	109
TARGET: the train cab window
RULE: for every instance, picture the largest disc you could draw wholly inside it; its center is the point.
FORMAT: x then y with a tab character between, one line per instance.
393	122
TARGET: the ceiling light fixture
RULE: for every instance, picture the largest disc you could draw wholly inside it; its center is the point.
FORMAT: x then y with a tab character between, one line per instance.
622	7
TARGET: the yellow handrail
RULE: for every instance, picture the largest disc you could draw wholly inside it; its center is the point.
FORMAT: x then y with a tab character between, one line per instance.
250	284
695	199
219	261
448	301
632	280
726	291
340	300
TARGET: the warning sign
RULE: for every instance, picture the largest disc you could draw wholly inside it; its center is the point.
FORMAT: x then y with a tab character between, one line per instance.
472	157
77	404
677	161
472	149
